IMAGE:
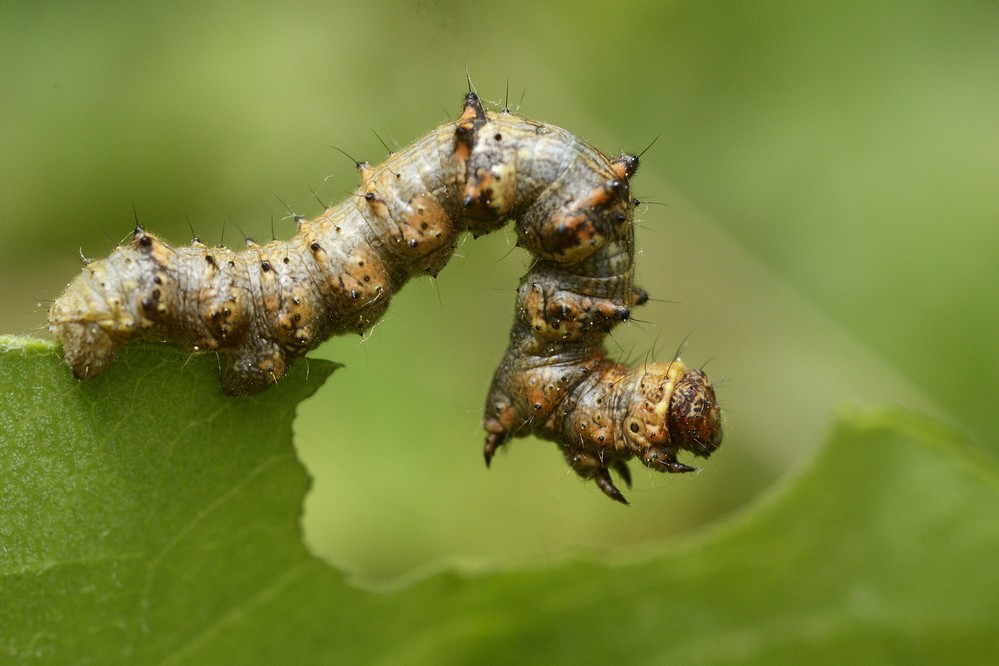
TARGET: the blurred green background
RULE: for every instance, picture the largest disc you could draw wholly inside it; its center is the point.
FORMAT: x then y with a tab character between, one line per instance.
821	227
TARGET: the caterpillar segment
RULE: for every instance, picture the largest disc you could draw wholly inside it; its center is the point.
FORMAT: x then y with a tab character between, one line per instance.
266	305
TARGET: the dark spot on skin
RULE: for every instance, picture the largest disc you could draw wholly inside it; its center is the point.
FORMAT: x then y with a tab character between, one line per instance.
498	137
157	280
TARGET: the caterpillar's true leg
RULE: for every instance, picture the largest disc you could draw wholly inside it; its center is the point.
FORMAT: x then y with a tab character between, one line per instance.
621	468
665	459
493	442
603	480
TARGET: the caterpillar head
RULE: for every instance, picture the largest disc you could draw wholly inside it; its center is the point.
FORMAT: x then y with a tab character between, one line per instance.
674	410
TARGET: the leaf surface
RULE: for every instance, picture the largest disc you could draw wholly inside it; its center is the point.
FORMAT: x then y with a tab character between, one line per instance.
149	518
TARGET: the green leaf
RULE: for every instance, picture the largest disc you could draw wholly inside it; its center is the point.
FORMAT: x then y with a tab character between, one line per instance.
148	518
143	507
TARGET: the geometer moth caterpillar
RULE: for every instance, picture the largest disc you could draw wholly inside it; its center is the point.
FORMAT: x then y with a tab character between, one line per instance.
266	305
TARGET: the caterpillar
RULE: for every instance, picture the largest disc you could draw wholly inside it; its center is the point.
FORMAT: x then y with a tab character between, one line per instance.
266	305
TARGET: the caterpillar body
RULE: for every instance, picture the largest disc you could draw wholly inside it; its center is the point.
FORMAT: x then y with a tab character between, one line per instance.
266	305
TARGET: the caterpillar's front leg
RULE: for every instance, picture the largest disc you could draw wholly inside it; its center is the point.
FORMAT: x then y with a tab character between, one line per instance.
602	413
590	466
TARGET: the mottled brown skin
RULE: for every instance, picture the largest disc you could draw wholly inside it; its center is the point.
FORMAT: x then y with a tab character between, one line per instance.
268	304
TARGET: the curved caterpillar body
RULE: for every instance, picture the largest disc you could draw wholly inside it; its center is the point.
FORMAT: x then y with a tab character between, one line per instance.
268	304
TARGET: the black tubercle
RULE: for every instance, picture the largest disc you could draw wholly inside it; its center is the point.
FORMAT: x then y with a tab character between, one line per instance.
472	101
630	163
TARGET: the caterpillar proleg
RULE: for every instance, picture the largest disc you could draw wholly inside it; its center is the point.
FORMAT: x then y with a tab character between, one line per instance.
266	305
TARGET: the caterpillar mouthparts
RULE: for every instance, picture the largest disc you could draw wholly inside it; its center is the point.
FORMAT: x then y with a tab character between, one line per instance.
266	305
